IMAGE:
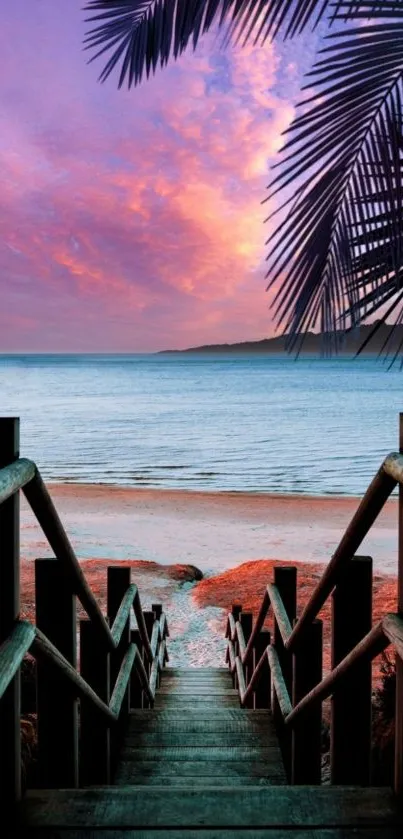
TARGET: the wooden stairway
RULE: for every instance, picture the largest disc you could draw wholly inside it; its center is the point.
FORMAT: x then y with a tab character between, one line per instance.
197	766
198	735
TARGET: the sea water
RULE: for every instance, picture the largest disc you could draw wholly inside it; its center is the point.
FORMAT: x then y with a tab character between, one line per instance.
246	424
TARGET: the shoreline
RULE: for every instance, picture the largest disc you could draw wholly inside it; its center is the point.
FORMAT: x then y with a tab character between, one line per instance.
78	487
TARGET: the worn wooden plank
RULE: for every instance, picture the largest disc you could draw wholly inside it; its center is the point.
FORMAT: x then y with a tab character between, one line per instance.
258	806
198	739
203	769
201	714
217	726
196	690
229	753
226	779
212	833
193	701
195	671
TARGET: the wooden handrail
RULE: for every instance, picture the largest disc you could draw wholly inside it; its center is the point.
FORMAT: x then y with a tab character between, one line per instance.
372	645
392	626
241	640
12	652
371	505
122	681
280	613
138	613
279	683
257	673
15	476
42	647
123	614
43	508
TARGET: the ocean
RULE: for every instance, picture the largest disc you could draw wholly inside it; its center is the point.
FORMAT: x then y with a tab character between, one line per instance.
244	424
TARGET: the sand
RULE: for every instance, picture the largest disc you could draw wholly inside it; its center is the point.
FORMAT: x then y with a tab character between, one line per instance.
234	538
214	531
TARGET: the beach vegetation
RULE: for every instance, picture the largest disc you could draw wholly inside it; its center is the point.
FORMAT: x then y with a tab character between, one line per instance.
334	253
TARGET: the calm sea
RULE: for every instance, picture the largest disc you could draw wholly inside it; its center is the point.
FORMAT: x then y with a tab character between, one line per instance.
252	424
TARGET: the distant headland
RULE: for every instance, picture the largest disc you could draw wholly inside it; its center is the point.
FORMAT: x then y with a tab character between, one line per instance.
386	338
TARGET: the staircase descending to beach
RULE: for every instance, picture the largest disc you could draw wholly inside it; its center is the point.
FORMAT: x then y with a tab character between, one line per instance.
129	747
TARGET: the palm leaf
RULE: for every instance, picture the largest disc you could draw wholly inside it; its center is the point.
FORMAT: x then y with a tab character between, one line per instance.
338	252
142	34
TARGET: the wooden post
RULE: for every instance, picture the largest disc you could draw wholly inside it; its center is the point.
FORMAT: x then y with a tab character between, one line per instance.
149	618
55	606
157	609
398	784
136	692
263	690
118	581
94	733
246	621
285	578
350	730
307	732
236	611
10	704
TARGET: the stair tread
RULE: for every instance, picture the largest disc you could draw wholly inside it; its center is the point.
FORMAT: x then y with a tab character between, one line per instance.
221	807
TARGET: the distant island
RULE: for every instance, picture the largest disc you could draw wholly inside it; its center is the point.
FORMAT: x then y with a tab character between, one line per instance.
313	344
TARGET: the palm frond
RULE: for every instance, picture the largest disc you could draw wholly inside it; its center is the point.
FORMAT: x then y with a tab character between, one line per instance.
338	253
142	34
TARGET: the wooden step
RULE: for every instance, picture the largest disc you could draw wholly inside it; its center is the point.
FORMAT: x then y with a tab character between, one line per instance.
264	812
197	773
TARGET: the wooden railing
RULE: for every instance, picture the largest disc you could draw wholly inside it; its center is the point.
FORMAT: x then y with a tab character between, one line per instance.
118	668
285	671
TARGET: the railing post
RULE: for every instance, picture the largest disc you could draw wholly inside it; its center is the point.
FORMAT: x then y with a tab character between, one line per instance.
157	609
246	621
236	611
285	578
94	732
262	692
55	606
10	704
350	730
306	759
118	581
398	783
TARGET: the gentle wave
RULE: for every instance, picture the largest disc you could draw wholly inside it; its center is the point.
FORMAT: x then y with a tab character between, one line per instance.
255	424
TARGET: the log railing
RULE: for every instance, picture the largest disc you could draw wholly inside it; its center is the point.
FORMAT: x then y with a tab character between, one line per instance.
80	708
283	670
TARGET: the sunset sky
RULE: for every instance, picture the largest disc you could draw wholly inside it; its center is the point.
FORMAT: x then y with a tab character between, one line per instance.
131	220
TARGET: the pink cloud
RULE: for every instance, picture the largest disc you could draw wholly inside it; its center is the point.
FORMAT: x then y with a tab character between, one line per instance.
132	220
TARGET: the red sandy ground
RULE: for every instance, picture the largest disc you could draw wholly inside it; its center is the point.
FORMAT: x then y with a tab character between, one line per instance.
145	574
246	584
243	584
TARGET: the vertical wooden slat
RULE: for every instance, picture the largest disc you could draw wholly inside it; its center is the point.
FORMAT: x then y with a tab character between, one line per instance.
285	578
307	732
55	607
10	704
350	731
262	692
94	733
398	784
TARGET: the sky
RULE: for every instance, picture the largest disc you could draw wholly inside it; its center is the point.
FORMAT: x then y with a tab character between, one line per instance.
131	221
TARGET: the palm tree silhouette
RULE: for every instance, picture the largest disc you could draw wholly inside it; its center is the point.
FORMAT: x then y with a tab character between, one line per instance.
335	256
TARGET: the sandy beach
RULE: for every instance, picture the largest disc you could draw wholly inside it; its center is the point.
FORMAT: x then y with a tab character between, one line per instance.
233	539
213	530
